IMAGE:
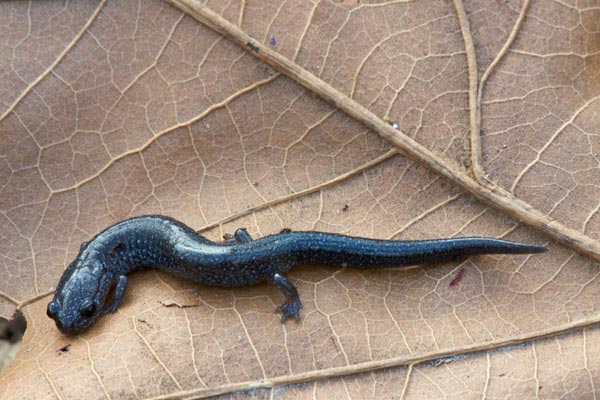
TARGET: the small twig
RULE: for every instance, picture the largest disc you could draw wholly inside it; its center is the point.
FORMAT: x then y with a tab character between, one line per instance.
9	298
34	299
172	303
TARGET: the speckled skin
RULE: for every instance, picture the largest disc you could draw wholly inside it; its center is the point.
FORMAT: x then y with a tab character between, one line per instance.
94	283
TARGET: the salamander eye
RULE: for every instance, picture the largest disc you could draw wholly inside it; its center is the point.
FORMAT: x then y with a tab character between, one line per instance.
87	309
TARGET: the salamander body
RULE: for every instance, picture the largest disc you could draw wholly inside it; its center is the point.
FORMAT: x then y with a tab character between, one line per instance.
94	283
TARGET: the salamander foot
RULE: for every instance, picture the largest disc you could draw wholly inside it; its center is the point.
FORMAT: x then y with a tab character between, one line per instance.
292	305
290	308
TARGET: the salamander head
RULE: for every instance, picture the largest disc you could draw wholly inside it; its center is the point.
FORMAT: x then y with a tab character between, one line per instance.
81	295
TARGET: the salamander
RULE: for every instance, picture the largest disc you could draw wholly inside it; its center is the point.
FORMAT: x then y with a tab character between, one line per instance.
94	283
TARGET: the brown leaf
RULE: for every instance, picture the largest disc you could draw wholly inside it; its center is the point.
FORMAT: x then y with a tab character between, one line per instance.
115	109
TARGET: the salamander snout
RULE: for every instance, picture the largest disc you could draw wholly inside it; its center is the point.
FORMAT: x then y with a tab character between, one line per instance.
52	310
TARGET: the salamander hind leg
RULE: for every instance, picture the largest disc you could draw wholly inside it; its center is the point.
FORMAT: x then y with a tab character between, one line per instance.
292	305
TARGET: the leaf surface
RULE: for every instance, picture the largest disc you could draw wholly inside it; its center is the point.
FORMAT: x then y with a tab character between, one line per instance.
114	109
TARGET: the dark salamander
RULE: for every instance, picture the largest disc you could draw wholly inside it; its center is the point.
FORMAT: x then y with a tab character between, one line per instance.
94	283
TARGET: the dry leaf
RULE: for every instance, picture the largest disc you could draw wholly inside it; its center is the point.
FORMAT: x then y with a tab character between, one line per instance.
112	109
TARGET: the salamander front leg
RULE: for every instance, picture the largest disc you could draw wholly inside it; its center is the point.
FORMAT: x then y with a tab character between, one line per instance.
240	236
117	295
292	305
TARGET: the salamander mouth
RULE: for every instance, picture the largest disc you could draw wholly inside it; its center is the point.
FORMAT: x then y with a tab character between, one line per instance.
66	329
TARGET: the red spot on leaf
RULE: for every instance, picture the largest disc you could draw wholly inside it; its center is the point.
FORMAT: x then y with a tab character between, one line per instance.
459	276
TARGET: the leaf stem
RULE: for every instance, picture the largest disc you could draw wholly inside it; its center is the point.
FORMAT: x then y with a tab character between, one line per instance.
487	192
394	362
474	110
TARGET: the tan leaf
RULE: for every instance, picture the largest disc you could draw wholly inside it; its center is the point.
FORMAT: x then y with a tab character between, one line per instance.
385	119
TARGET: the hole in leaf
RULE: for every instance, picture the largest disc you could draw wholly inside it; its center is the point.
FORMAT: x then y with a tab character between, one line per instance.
11	333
